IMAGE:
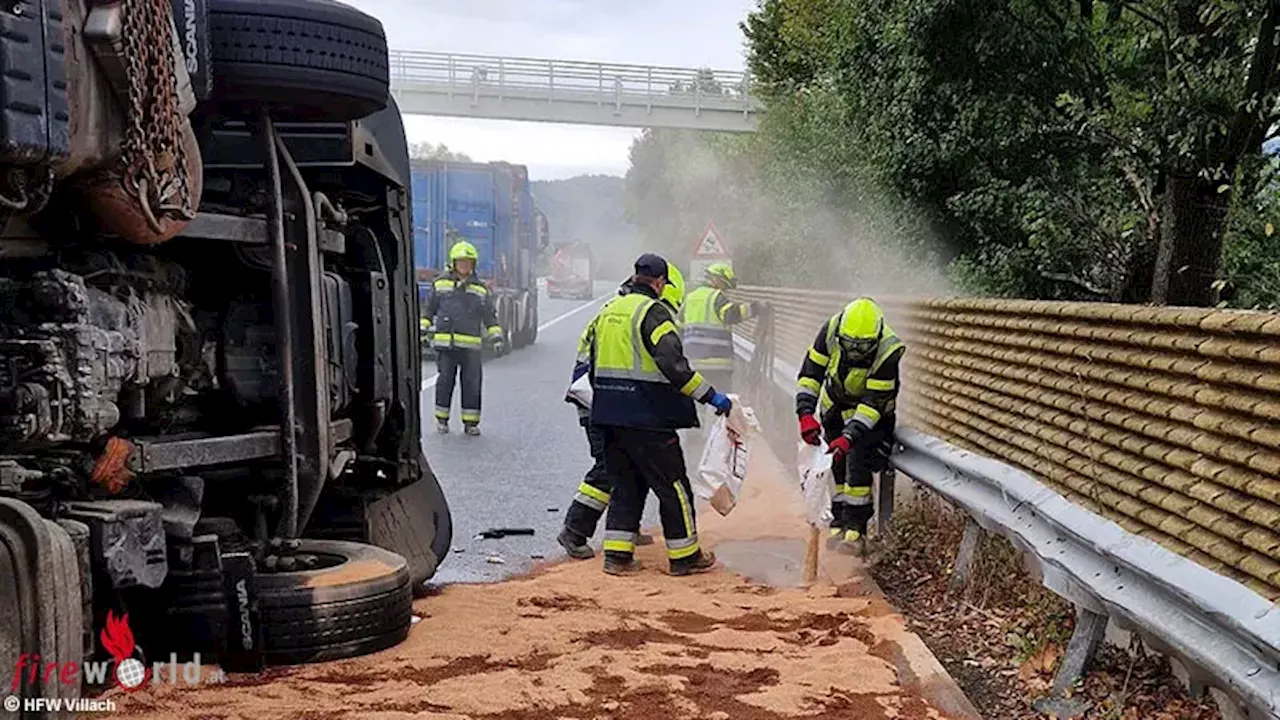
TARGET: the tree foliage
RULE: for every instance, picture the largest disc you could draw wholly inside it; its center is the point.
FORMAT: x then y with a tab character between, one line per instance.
428	151
1086	150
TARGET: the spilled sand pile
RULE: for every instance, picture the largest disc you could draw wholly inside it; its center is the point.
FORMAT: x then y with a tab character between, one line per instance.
571	642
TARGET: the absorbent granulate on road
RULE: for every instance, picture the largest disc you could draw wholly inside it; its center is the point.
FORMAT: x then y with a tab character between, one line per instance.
571	642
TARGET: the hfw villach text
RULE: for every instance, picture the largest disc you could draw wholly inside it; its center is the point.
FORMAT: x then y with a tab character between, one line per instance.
124	669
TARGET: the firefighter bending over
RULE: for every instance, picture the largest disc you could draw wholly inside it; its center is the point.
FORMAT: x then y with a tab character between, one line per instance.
850	380
643	391
459	319
592	498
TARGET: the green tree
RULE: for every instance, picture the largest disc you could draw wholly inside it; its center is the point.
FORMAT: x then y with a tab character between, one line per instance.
1090	150
428	151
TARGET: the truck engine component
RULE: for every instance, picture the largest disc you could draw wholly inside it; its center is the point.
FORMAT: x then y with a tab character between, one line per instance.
127	540
69	351
304	58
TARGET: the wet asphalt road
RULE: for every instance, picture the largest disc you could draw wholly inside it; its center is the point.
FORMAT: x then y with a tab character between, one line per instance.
523	468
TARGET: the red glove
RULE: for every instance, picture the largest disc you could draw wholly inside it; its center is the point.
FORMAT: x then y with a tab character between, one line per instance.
839	447
809	429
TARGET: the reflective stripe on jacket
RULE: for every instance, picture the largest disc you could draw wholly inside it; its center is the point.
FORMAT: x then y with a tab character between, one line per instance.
460	313
860	394
705	319
639	375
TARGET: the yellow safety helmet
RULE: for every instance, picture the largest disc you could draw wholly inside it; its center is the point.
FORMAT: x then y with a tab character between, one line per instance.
861	325
673	293
722	272
463	250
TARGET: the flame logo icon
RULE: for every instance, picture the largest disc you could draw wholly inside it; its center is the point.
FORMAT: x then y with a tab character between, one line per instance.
117	638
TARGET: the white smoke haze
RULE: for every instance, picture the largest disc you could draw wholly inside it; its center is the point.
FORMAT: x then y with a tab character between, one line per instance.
783	223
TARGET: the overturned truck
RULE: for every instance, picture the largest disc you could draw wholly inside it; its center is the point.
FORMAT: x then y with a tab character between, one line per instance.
209	368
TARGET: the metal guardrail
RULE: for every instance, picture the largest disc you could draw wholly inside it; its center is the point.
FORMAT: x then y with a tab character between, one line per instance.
607	83
1226	636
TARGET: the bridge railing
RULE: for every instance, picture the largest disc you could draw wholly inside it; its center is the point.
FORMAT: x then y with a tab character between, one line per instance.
605	82
1165	421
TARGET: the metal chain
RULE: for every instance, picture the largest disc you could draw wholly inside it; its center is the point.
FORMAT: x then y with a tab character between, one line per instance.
153	158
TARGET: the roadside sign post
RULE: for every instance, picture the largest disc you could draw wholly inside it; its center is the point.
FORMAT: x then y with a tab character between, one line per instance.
709	249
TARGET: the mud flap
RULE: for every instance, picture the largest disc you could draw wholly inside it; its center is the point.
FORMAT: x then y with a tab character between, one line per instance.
404	522
243	651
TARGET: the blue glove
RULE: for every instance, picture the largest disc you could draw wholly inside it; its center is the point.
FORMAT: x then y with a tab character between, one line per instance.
721	402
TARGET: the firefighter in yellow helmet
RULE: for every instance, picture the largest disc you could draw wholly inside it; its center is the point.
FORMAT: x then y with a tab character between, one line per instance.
643	391
594	492
459	318
705	325
850	379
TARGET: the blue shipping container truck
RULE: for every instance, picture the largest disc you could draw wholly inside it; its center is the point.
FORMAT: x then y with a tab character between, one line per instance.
490	206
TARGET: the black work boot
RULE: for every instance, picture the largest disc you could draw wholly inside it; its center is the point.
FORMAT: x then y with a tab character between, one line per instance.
575	545
442	426
700	563
626	565
471	428
644	539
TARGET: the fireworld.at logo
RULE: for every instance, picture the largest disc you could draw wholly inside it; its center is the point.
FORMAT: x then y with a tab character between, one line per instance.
125	670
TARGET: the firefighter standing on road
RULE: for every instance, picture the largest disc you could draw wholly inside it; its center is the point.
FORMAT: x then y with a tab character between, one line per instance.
592	498
850	378
643	391
706	317
459	318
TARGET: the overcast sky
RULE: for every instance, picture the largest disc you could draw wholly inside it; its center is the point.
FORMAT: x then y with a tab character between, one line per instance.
685	33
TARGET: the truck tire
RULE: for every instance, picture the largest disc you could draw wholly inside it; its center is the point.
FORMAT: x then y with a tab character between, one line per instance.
360	605
307	59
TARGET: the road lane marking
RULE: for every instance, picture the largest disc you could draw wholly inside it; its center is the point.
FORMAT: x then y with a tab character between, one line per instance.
431	381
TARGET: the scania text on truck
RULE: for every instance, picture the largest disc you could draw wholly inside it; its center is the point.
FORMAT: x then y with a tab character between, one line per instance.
209	366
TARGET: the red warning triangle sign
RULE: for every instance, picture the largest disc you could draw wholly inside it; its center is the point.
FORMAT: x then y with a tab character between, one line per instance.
710	245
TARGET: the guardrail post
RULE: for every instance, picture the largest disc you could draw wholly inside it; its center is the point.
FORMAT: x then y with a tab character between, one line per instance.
617	96
599	86
453	76
1088	634
965	555
887	480
648	91
502	80
551	82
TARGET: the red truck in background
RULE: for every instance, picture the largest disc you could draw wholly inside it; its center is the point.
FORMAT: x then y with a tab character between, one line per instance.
572	273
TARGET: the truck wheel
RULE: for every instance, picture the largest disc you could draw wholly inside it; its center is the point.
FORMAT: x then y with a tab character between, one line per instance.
358	602
309	59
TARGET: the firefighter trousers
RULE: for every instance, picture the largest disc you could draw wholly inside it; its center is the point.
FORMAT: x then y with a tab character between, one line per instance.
452	362
640	461
592	498
852	505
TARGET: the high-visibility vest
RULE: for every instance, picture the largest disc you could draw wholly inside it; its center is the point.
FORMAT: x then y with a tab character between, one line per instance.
628	389
708	342
843	394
